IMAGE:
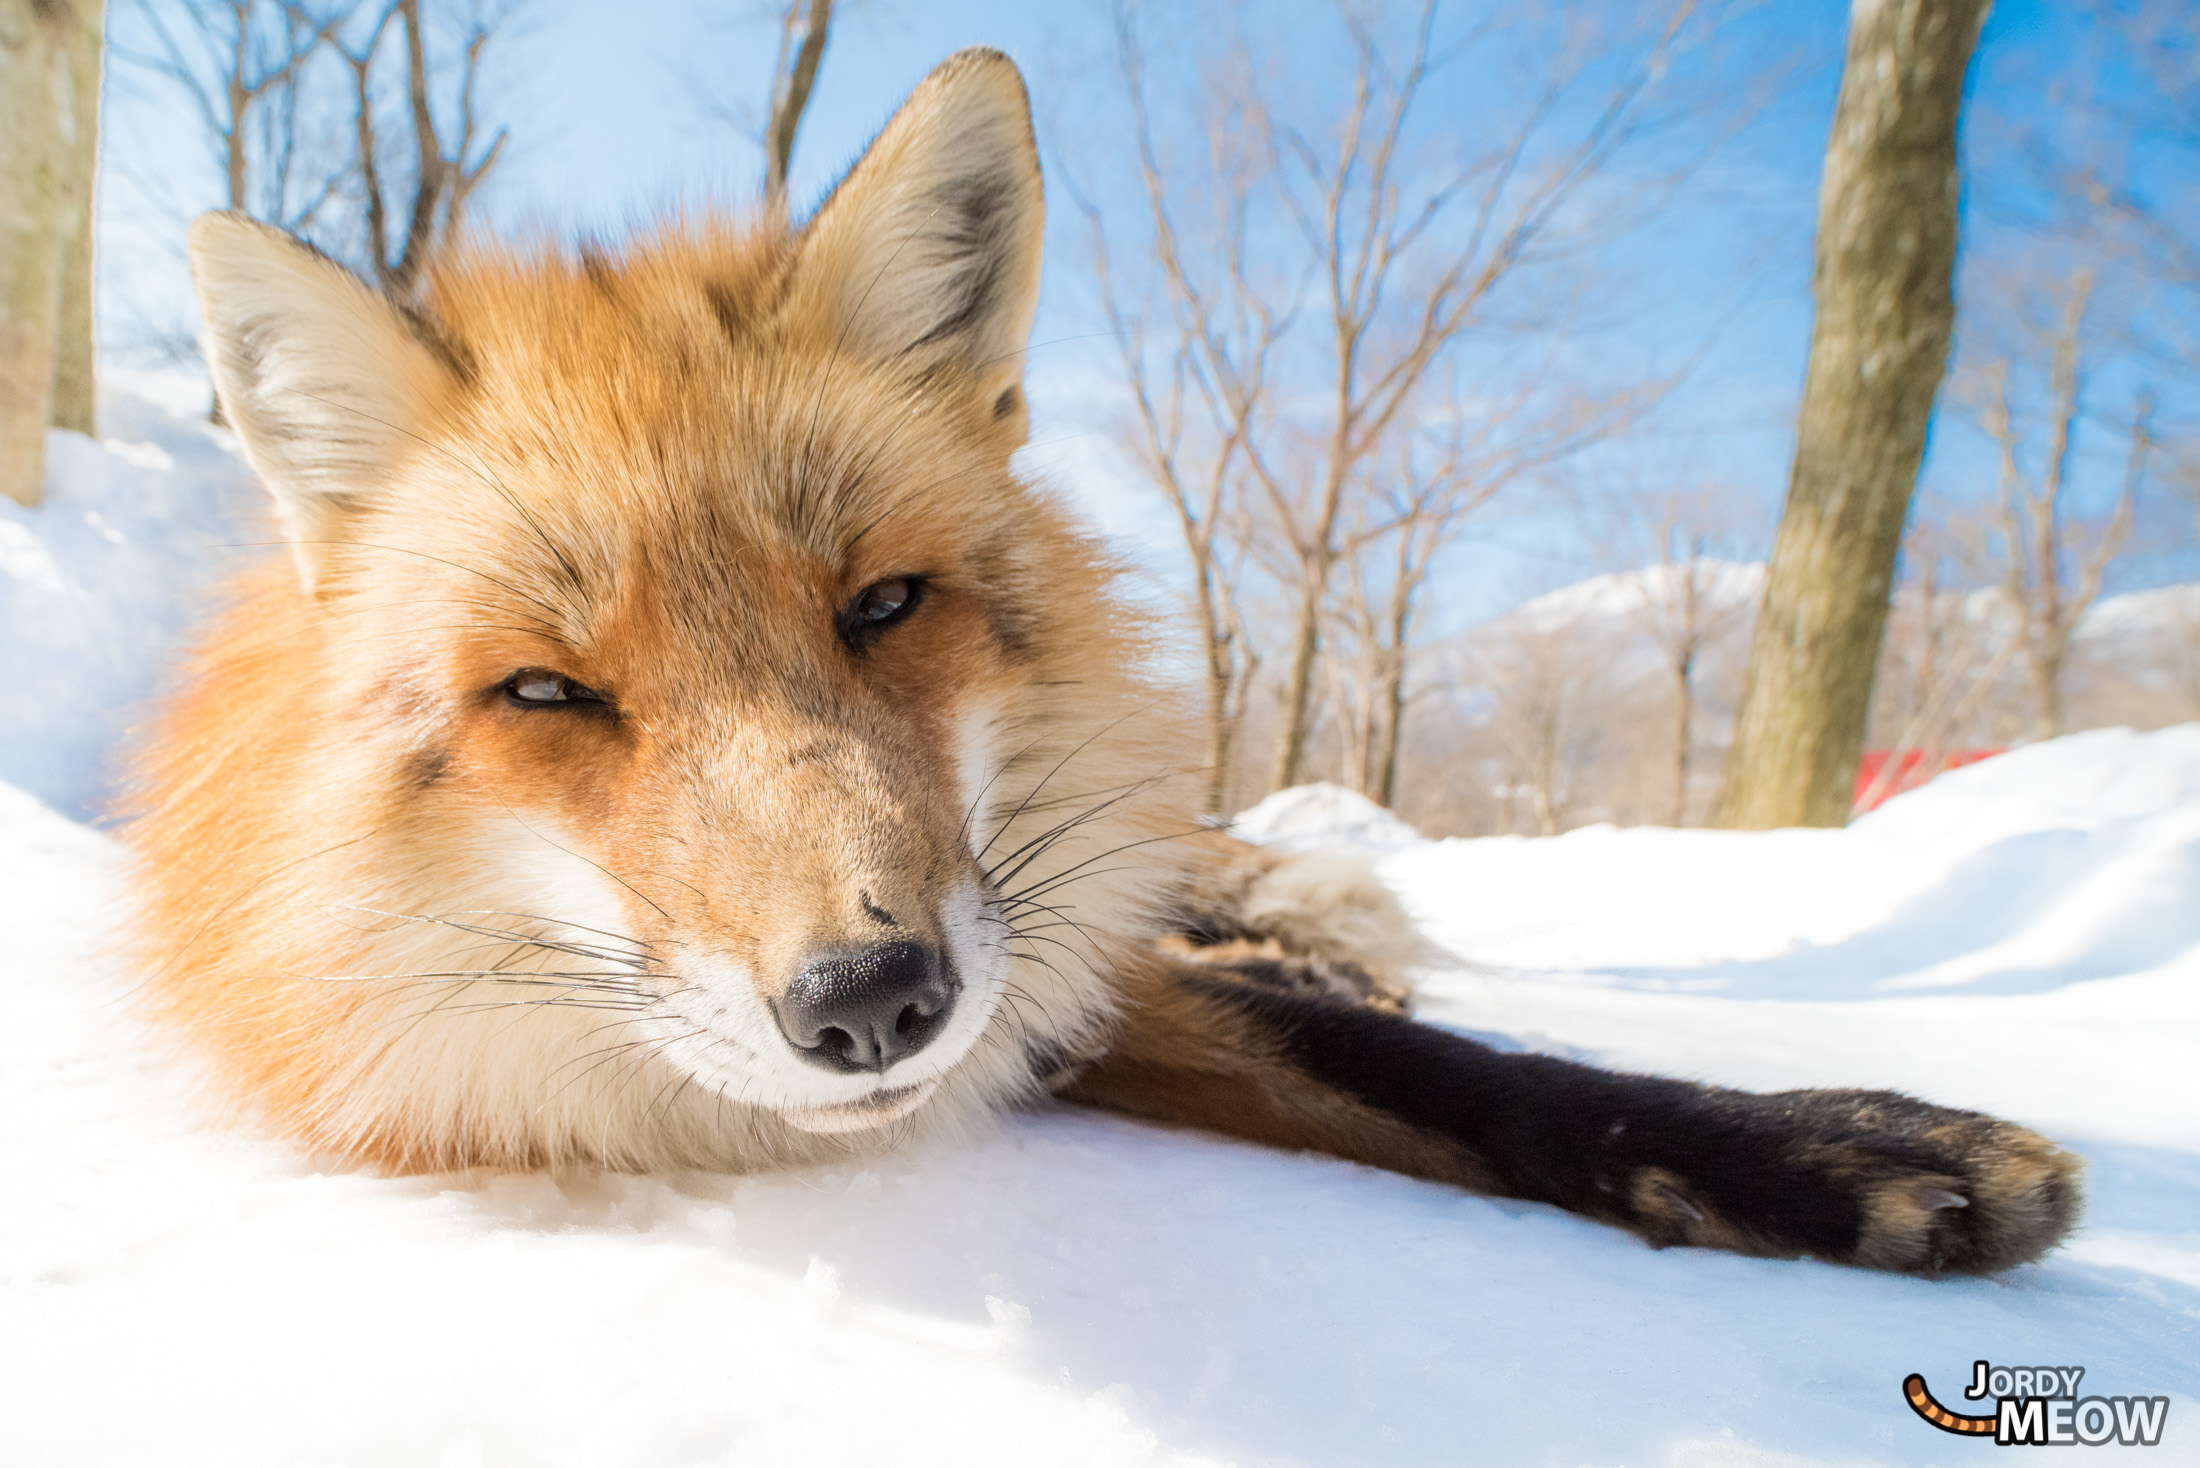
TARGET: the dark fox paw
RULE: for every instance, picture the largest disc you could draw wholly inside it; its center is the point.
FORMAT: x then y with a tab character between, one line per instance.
1876	1179
1957	1192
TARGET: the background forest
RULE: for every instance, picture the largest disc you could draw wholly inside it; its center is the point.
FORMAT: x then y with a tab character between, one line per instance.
1435	368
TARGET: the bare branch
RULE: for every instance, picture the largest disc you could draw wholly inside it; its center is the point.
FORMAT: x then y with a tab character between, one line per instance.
791	86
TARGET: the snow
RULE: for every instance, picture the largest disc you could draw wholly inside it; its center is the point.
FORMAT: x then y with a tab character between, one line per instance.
2021	935
1307	816
1621	596
100	582
1615	602
1614	616
2164	610
2018	935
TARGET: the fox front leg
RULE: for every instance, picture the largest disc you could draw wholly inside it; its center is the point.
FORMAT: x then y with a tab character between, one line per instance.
1859	1177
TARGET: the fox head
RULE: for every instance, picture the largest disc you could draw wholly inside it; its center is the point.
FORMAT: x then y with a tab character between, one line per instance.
675	730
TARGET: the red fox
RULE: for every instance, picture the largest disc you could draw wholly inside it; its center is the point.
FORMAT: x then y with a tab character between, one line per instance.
675	739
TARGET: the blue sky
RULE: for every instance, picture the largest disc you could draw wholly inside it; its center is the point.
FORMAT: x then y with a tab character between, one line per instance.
613	109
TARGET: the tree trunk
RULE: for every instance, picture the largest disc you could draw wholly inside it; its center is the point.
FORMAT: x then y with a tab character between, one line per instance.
2048	651
1394	726
1886	248
1684	736
73	387
791	97
37	114
1544	791
1298	701
432	176
1221	672
1356	734
1394	692
1221	745
1221	715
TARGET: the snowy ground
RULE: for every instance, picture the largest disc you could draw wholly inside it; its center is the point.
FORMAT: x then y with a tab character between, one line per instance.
100	584
2022	935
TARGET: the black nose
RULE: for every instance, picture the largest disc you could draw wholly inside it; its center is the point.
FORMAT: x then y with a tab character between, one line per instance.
865	1008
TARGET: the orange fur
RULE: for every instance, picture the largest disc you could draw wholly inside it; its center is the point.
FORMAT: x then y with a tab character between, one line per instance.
662	475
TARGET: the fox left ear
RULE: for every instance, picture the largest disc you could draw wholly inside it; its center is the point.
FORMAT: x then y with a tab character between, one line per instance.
326	384
928	252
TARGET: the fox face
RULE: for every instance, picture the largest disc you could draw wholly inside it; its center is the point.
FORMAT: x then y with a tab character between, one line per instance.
675	722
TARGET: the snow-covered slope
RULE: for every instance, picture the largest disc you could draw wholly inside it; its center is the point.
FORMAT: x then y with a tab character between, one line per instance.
100	583
1620	597
1306	816
1615	614
2164	611
1078	1289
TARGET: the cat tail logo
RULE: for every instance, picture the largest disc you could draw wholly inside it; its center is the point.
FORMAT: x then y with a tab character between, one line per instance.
1921	1401
2039	1406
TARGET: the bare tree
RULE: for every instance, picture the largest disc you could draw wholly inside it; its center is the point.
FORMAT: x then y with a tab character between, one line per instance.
1543	672
355	123
411	208
794	73
802	28
73	385
49	111
2128	114
1886	247
2183	658
1317	283
1385	570
1684	603
1932	640
1420	497
1194	397
240	64
1947	649
2050	572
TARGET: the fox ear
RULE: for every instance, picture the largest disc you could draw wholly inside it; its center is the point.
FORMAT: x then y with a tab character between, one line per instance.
928	251
326	384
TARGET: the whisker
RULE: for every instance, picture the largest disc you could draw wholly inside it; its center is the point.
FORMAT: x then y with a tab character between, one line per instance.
547	978
1033	793
482	930
1050	883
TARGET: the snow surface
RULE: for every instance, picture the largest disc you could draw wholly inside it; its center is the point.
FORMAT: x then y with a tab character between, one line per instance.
2174	610
1621	596
2019	935
102	581
1613	614
1307	816
1616	601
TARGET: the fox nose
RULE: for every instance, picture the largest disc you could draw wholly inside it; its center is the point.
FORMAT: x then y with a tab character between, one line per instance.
865	1008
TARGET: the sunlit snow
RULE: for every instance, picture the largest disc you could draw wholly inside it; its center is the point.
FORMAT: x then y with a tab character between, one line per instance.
2022	935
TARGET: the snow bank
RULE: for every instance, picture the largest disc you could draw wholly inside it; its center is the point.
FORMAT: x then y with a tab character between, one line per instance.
101	582
1078	1289
2021	935
1306	816
1619	598
2162	611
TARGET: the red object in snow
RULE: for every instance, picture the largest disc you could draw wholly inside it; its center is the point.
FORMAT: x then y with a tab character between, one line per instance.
1912	768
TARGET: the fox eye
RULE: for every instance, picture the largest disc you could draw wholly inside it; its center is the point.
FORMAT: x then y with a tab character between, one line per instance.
880	603
542	688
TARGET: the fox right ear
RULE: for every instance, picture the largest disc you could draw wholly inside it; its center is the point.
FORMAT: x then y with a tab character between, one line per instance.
927	254
325	383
